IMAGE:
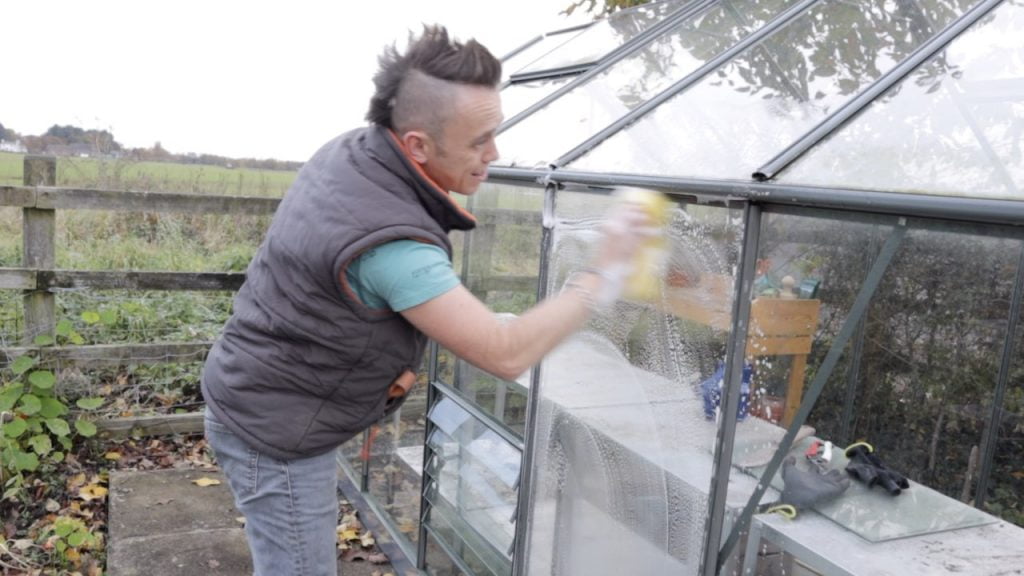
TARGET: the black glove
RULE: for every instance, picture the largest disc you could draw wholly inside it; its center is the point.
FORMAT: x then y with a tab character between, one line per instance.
867	467
805	488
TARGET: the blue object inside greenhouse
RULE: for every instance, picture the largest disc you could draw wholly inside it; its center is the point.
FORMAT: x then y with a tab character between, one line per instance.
711	391
809	288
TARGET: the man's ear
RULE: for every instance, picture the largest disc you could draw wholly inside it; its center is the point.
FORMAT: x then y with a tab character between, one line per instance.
417	144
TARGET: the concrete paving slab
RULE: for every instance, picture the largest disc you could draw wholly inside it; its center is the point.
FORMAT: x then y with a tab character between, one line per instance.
163	524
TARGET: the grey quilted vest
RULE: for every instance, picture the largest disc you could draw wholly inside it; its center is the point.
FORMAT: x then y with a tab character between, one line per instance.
302	366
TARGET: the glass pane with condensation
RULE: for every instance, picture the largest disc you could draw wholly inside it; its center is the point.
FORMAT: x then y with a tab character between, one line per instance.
602	37
953	127
744	113
623	452
584	111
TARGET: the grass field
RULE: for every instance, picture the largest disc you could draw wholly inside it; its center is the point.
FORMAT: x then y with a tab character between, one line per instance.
104	240
121	174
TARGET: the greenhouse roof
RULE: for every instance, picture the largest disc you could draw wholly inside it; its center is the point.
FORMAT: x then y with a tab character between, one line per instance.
827	97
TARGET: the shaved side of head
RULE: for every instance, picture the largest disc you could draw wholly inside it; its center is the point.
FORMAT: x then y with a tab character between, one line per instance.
423	103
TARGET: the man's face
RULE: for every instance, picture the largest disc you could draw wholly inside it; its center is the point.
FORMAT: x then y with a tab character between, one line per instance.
458	160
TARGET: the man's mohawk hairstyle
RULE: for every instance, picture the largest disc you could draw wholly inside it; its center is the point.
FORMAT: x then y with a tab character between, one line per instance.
435	54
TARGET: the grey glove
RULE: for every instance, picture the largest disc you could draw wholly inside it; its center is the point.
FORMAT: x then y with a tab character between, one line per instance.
806	488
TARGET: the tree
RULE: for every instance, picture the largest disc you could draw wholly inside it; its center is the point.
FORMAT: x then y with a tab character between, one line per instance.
608	7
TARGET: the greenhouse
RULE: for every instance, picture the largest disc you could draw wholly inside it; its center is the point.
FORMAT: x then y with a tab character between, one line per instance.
841	291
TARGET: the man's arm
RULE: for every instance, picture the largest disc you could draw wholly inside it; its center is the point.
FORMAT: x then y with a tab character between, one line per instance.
463	324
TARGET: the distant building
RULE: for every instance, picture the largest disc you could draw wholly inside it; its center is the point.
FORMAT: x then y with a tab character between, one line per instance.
12	146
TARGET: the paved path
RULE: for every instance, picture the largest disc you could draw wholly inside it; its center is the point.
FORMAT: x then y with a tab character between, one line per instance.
162	524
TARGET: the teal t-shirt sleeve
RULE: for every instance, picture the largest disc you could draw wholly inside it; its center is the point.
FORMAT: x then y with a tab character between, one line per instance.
401	274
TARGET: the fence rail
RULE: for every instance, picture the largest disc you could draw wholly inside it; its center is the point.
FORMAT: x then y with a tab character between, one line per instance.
39	280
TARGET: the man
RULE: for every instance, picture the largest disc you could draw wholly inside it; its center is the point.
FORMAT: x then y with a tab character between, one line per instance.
353	277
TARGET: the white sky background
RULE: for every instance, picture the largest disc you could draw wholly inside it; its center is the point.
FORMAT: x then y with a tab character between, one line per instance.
240	79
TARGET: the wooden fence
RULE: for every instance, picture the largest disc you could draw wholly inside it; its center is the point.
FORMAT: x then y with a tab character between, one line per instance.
38	279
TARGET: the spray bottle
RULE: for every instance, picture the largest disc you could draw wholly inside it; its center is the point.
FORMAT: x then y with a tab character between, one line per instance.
645	283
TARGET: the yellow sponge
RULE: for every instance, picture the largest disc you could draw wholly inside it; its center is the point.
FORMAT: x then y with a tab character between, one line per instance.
645	283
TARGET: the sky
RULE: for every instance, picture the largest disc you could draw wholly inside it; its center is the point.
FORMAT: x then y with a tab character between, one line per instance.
250	79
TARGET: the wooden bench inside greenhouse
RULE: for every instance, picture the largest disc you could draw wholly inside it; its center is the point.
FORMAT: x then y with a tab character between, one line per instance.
778	326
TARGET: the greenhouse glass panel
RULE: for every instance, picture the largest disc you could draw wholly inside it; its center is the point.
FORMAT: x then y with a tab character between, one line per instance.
741	115
472	485
602	37
504	400
1006	484
531	53
623	449
500	266
518	97
502	254
395	449
914	382
582	112
441	554
952	127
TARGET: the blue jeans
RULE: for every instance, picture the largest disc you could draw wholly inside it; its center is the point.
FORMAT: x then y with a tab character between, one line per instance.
290	507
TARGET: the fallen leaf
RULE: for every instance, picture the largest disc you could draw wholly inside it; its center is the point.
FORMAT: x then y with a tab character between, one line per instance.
377	558
240	520
92	492
367	540
75	481
112	455
354	554
204	482
52	505
348	535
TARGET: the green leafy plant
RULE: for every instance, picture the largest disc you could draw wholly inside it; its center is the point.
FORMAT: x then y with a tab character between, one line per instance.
66	537
37	428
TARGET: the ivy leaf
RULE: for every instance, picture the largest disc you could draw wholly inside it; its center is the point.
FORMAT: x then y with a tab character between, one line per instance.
58	427
52	407
63	526
76	339
26	461
85	428
90	317
21	364
42	379
108	317
77	538
29	405
9	396
43	340
15	428
64	327
89	403
41	444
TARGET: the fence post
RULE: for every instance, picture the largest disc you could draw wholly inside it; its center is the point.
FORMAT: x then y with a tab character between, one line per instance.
38	233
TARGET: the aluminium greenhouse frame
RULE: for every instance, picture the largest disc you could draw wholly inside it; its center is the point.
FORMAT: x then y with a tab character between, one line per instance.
754	196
